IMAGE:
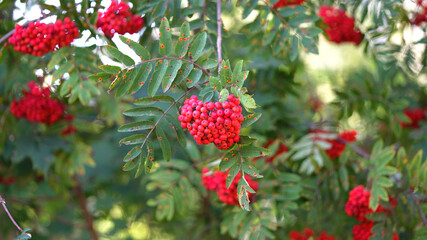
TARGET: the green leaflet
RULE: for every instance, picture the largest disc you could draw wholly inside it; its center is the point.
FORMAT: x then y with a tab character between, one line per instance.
120	56
165	40
156	78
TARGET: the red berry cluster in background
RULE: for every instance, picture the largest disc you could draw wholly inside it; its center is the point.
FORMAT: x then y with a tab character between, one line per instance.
70	129
119	19
37	105
341	27
39	38
416	115
284	3
363	231
422	13
217	182
358	206
307	234
338	144
280	150
209	122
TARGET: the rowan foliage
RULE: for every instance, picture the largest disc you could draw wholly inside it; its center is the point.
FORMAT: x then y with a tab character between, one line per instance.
211	119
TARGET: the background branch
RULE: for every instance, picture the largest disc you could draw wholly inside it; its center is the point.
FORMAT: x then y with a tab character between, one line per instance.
219	39
83	205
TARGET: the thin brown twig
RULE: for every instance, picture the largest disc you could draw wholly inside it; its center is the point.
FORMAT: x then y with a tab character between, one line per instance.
82	202
420	210
219	38
357	149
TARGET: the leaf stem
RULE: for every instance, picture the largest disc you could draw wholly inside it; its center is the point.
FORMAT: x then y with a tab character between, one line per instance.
3	203
219	38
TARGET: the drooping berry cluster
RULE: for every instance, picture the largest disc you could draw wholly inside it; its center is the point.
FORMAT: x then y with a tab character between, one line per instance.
338	144
209	122
119	19
37	105
422	12
284	3
358	206
416	115
216	181
307	234
280	150
39	38
341	27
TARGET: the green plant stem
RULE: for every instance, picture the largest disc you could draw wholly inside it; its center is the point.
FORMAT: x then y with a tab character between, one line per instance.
3	203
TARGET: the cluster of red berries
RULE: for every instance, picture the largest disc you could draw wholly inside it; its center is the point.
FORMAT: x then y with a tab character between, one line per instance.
341	27
280	150
39	38
416	115
209	122
358	206
284	3
119	19
422	13
338	144
307	234
363	231
216	181
37	105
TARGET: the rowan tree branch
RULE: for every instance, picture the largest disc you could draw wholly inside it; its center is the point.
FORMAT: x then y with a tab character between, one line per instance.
420	210
83	205
219	38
